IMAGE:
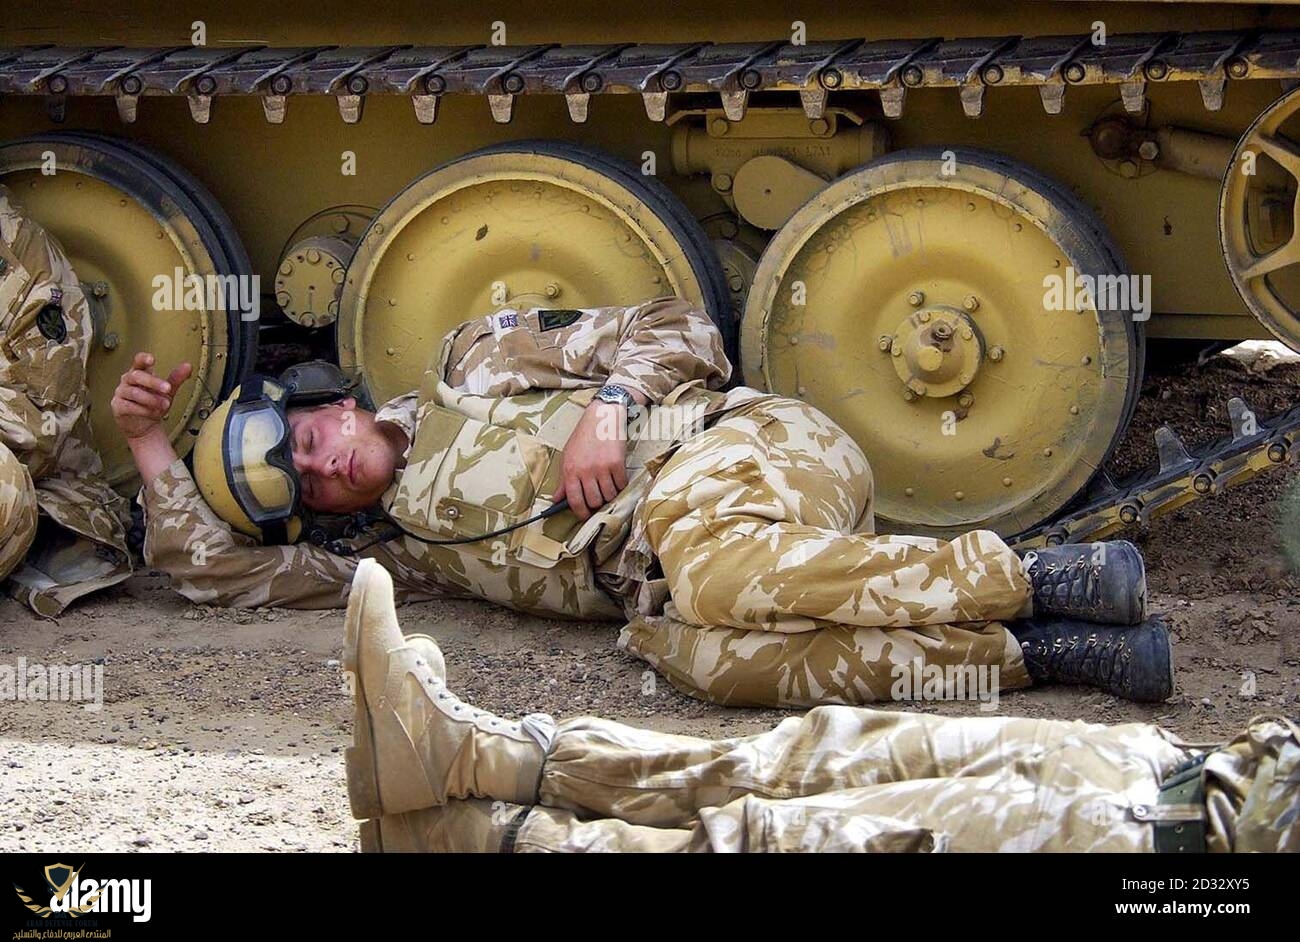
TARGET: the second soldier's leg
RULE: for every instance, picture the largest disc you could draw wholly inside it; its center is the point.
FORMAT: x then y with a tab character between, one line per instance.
763	522
18	511
780	595
606	769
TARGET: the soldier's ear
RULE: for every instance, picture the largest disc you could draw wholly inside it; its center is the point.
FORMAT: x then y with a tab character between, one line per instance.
347	405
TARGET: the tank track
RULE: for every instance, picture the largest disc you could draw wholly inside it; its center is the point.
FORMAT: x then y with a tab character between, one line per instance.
1181	476
734	71
730	70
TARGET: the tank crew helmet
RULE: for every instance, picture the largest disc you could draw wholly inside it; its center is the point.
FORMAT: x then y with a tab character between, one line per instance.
243	459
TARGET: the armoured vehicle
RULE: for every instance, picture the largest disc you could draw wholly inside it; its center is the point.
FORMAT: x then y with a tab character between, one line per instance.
961	229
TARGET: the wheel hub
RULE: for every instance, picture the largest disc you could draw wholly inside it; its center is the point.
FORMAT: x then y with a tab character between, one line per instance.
936	352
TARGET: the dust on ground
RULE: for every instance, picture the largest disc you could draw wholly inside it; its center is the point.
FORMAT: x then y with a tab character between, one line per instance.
225	730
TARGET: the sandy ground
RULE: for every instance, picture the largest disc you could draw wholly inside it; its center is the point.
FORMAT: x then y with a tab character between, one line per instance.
225	730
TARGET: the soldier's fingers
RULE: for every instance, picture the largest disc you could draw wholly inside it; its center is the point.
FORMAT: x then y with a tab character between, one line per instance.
127	407
573	491
591	493
608	489
620	476
158	404
178	376
142	380
142	361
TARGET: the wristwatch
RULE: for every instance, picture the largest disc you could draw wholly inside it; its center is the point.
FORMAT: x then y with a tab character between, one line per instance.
617	395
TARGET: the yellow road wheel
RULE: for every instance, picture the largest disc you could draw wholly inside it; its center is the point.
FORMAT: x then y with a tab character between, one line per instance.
1259	218
912	301
127	217
540	223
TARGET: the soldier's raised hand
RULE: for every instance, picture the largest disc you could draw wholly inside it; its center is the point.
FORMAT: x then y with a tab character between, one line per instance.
142	399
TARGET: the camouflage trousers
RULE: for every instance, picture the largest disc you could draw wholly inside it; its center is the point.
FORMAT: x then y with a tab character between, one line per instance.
843	778
18	511
781	594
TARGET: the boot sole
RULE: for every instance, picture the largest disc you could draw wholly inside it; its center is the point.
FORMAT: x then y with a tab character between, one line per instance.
359	759
372	841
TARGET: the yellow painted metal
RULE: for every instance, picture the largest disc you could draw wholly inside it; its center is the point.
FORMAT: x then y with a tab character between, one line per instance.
491	231
1259	219
1004	441
937	351
768	189
310	279
119	247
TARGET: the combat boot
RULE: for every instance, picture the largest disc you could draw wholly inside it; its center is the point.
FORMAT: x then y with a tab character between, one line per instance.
473	826
1134	663
417	744
1104	583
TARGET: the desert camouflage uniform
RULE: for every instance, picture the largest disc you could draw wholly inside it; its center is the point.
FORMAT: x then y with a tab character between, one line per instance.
740	550
852	779
50	494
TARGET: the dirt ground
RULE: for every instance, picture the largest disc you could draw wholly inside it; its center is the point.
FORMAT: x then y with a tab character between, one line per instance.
225	730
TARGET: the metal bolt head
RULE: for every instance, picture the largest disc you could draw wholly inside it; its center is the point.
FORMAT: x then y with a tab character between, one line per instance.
1201	484
923	317
205	85
996	354
719	126
1277	453
971	303
1238	67
281	84
1128	168
819	126
99	289
1157	69
1148	150
552	290
111	340
670	81
1128	513
750	79
965	400
916	298
722	182
514	84
132	85
885	342
909	396
435	84
1074	72
831	78
358	85
58	84
992	74
913	76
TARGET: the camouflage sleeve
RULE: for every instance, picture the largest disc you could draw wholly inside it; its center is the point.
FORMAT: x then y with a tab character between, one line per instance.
652	347
210	563
44	340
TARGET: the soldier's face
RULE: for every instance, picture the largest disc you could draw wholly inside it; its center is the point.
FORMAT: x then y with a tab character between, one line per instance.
344	459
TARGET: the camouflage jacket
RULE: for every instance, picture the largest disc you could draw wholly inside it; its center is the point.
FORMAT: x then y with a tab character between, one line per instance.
486	427
45	337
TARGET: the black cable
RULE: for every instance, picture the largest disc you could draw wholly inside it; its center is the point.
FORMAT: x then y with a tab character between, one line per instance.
340	548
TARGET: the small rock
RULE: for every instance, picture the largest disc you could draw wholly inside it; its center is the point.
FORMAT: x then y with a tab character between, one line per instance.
247	799
199	836
142	841
1206	702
